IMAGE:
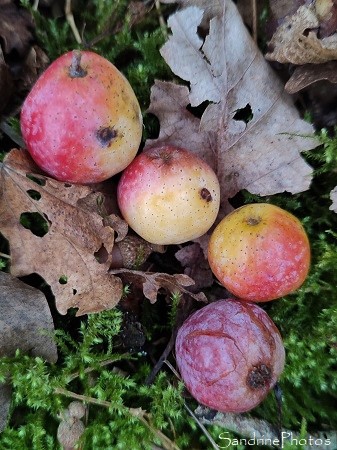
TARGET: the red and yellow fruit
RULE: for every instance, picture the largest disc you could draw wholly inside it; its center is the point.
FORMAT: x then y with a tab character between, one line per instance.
81	122
168	195
259	252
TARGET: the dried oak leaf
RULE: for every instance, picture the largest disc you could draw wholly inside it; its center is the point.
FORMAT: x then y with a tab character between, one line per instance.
151	282
293	43
251	132
192	258
66	255
308	74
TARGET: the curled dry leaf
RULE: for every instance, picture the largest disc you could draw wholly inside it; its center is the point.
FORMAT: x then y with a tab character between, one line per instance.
192	258
251	133
293	43
308	74
65	255
151	282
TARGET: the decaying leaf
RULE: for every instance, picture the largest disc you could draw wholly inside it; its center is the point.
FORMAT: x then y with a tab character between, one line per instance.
296	41
151	282
250	133
282	8
65	255
308	74
192	258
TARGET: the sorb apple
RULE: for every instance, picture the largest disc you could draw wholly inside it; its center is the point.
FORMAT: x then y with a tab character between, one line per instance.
168	195
81	122
230	354
260	252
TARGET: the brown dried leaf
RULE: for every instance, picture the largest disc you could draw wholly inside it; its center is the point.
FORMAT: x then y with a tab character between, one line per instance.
308	74
282	8
292	43
260	153
192	258
151	282
68	249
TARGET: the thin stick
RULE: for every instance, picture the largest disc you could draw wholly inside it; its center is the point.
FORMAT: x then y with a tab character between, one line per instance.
254	20
71	21
3	255
161	19
139	413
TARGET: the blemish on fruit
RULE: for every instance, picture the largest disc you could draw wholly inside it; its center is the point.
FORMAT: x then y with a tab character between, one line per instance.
253	221
106	135
206	195
259	376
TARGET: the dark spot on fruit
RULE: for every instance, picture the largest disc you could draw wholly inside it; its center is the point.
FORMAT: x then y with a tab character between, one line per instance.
259	376
253	221
106	135
206	195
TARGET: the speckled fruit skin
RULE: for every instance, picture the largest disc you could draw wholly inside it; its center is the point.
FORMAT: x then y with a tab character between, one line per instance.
168	195
260	252
83	128
230	354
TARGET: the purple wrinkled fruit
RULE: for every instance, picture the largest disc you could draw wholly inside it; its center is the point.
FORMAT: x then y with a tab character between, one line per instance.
230	355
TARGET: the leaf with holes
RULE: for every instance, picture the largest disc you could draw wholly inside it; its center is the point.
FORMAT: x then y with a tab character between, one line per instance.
54	232
151	282
250	132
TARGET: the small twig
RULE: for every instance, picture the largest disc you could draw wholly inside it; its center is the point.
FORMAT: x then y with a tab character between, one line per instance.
107	362
161	19
202	427
71	21
139	413
264	433
3	255
254	20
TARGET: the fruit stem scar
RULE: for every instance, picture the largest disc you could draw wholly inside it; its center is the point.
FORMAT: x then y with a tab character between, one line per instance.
75	69
206	195
259	376
106	135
